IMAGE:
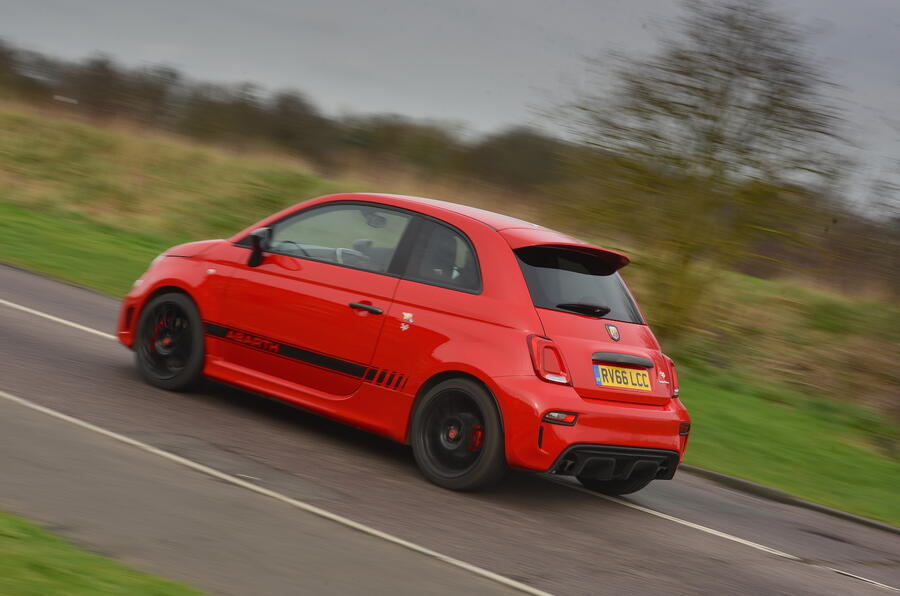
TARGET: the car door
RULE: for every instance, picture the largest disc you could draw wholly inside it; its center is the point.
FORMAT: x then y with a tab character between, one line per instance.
437	306
310	314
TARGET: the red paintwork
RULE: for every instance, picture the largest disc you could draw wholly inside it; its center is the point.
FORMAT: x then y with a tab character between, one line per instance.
304	303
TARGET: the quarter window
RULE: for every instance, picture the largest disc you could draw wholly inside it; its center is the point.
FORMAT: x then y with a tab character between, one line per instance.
445	259
359	236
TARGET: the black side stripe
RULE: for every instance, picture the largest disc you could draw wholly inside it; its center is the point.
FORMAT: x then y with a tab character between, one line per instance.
270	346
281	349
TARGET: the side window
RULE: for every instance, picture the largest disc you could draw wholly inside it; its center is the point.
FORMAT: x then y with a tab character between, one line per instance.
359	236
445	258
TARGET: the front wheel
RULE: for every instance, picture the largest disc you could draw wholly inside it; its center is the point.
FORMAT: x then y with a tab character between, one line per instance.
169	349
616	486
457	436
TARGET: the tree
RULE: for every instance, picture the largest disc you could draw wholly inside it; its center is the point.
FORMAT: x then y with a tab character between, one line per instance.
295	123
150	93
518	157
696	147
431	146
99	86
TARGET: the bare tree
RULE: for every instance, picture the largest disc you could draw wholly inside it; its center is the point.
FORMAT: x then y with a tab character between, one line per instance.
696	146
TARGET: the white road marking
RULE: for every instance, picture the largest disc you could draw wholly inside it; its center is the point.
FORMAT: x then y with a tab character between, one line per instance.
678	520
277	496
726	536
38	313
860	578
372	531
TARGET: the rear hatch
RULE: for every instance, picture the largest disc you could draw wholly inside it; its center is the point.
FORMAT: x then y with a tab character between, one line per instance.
589	314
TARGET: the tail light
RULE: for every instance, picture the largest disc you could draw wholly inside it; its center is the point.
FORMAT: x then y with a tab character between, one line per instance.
674	373
547	360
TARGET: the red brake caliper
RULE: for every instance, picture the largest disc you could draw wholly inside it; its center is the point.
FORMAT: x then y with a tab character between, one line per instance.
477	438
159	328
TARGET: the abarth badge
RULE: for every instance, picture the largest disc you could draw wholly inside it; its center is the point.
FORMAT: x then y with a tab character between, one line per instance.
613	332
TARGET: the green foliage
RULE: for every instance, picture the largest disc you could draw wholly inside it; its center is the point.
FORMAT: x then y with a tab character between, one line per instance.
34	563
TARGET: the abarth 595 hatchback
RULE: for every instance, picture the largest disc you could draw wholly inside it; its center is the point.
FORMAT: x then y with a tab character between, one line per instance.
482	341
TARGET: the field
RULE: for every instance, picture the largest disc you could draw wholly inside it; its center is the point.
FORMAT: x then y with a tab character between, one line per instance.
773	383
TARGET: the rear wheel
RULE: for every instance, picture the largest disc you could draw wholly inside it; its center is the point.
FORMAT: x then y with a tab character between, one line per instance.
457	437
617	486
169	349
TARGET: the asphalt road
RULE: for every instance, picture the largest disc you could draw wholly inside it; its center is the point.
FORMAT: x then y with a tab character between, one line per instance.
690	537
160	516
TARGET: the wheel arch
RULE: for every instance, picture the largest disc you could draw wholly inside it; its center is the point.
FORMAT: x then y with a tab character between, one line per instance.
446	375
165	289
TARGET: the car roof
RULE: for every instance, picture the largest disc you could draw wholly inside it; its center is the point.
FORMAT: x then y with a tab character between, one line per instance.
435	208
517	232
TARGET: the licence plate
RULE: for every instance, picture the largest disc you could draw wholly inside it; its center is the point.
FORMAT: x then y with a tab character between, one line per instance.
626	378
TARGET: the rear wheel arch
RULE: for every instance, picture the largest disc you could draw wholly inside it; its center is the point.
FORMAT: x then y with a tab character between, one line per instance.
440	377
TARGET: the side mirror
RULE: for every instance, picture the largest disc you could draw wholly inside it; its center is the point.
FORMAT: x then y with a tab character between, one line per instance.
259	244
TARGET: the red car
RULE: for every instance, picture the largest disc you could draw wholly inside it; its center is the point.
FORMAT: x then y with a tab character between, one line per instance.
481	340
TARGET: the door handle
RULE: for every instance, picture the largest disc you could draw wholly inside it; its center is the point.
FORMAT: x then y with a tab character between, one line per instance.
367	307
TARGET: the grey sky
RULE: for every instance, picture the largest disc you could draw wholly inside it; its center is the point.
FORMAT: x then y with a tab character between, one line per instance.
486	63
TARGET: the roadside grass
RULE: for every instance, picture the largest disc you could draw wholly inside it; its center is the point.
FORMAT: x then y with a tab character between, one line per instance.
36	563
139	183
774	380
812	449
75	249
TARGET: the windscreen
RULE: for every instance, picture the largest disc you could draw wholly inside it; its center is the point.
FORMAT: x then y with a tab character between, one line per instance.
572	281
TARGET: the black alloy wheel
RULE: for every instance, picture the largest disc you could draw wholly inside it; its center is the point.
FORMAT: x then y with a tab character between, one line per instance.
457	437
169	342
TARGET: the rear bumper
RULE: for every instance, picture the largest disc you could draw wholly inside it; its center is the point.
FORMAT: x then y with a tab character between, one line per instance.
607	462
601	425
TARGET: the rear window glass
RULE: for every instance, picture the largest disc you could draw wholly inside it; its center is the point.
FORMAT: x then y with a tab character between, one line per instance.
558	277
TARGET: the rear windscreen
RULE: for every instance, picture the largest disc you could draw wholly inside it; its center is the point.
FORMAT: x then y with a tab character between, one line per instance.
557	276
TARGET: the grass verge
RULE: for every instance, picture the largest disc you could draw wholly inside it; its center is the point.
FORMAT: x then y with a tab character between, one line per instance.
75	249
34	562
815	449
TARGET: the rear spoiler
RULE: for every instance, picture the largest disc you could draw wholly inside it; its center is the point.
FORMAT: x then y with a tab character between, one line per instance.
525	237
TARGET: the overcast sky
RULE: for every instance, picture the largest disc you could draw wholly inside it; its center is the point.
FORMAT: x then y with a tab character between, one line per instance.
486	63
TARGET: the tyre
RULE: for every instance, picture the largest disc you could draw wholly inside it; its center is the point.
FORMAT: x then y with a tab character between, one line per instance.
616	486
169	349
457	436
